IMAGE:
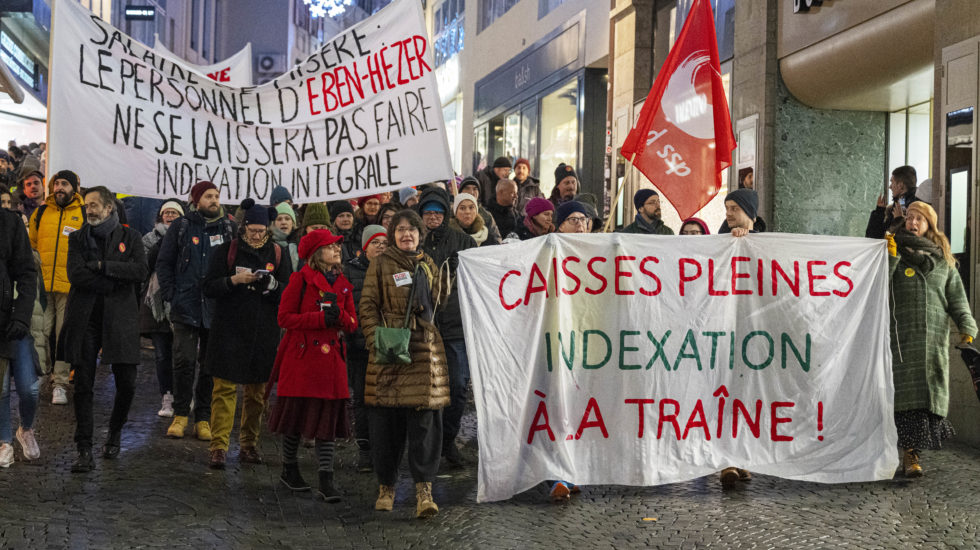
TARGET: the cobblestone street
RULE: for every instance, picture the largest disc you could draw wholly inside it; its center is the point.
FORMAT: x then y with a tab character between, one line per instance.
160	493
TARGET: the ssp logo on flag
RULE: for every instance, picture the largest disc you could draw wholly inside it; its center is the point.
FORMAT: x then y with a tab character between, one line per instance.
683	138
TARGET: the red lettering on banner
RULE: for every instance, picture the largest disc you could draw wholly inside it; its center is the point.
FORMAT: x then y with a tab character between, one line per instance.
650	274
597	276
736	275
620	273
220	76
540	422
570	275
639	406
531	289
813	278
701	421
711	281
684	277
591	407
501	290
841	276
672	418
775	421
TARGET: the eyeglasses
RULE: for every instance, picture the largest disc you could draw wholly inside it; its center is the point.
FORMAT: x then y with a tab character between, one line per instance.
378	243
259	231
578	220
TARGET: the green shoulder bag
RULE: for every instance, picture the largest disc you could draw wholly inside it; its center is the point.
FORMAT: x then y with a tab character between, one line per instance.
391	344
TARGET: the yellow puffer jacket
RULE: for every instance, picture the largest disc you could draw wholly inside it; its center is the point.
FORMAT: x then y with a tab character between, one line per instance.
50	238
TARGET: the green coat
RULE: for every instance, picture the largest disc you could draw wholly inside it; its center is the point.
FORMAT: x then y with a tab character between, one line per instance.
923	300
660	228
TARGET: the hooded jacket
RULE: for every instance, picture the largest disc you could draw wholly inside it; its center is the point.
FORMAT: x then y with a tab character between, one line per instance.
16	273
443	244
49	236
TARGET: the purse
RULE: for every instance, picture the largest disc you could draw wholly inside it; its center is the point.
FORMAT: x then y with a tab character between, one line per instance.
391	344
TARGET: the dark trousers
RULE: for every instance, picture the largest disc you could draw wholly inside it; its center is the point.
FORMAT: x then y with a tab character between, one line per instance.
125	378
389	428
357	360
459	378
163	349
190	345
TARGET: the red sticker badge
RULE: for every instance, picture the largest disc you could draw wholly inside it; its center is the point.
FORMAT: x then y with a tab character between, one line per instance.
325	348
270	267
122	247
195	240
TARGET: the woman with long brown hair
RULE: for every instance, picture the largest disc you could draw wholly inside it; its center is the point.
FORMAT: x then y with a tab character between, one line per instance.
926	291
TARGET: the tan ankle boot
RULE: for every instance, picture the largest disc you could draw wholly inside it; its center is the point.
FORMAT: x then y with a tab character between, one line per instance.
386	498
910	463
425	507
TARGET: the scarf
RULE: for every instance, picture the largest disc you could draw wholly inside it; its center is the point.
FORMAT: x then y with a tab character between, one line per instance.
478	229
102	231
918	251
536	229
647	226
261	243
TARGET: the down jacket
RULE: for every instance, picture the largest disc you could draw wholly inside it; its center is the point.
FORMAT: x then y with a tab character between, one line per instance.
49	236
16	274
424	384
310	361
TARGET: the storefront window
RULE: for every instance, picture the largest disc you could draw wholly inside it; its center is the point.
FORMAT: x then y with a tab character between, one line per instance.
909	138
559	131
491	10
480	143
512	136
450	115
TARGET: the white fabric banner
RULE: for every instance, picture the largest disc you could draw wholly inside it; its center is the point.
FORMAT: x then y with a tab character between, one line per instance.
234	71
362	115
640	360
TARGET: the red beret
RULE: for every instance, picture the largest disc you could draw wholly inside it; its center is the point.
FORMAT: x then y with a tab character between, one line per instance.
312	241
362	200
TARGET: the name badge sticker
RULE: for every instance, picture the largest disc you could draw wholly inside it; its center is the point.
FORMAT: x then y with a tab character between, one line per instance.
402	279
68	230
217	239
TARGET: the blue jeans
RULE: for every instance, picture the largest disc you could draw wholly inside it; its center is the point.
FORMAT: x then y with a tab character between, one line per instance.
459	377
23	371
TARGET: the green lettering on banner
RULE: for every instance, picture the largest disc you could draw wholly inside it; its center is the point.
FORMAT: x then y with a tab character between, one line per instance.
568	359
623	348
745	346
660	350
689	341
714	346
585	349
788	342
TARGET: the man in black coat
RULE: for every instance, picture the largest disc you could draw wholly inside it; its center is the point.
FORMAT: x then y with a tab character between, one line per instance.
443	243
106	267
16	273
501	206
245	279
887	217
181	267
489	176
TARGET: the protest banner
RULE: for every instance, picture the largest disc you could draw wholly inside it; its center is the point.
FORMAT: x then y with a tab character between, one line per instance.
361	115
234	71
639	360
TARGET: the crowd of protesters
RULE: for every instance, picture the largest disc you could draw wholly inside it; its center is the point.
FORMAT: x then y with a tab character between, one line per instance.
290	303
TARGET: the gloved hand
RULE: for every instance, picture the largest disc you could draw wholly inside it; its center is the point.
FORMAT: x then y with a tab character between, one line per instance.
331	314
17	330
892	247
966	339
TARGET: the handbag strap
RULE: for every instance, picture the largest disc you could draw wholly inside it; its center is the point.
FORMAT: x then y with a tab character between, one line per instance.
411	296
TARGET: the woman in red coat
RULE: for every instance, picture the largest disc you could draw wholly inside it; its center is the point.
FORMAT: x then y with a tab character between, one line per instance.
316	309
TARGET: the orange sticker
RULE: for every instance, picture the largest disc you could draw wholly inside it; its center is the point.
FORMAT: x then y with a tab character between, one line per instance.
909	272
325	348
122	247
270	267
195	240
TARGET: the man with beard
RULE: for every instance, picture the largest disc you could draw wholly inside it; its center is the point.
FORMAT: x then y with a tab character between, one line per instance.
181	268
107	266
443	244
648	222
566	185
501	206
49	228
6	172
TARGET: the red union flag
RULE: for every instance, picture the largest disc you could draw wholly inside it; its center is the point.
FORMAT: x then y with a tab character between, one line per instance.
683	138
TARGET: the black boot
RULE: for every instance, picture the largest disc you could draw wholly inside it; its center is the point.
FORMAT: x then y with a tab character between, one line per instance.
290	477
327	491
364	462
84	463
111	447
451	453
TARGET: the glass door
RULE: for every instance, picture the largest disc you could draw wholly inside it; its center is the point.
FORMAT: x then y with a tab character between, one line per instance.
960	227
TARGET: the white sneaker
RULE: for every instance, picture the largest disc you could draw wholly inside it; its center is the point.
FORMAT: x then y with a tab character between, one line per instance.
28	443
167	406
59	396
6	455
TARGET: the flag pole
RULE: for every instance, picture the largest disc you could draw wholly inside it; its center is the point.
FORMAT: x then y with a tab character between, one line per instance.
619	194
